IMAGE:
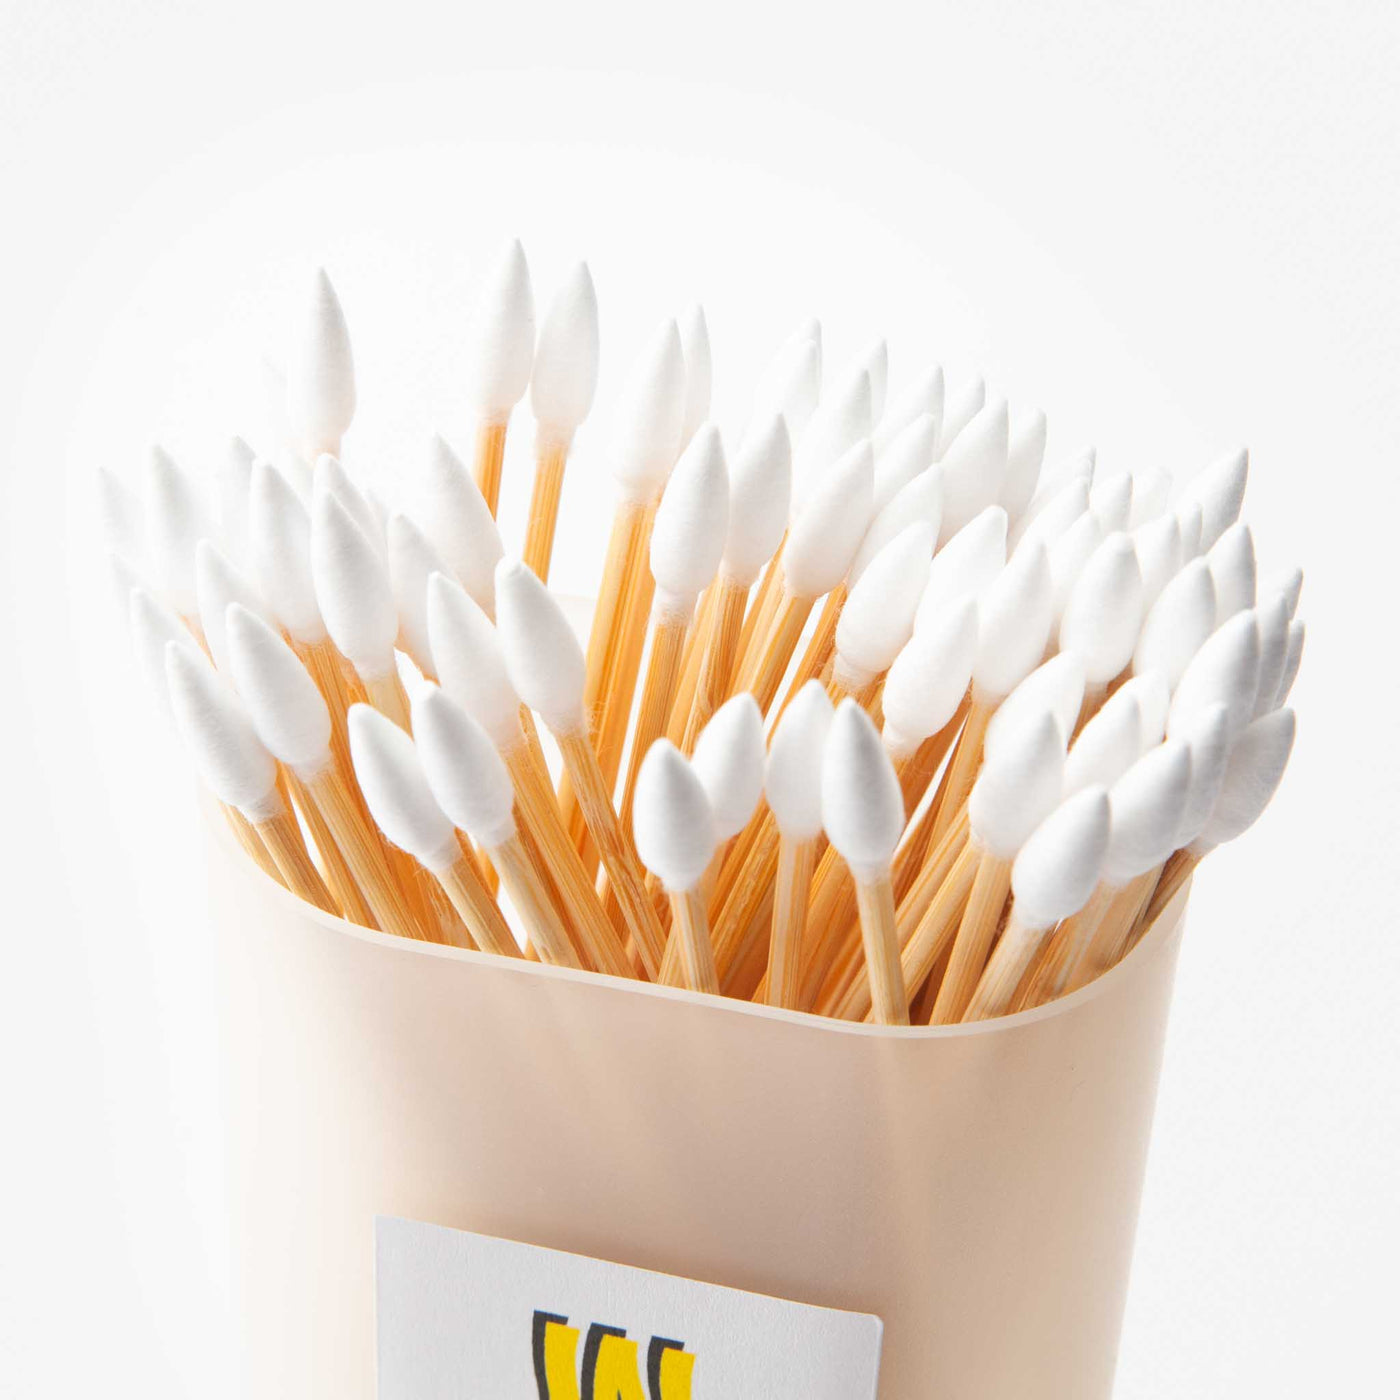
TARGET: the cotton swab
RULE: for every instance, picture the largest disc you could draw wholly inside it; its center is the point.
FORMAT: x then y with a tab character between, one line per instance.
863	814
1053	874
1219	491
1177	624
966	564
1025	454
412	561
728	760
961	408
1054	515
121	517
1107	746
841	421
320	391
562	388
791	385
218	584
500	357
676	842
974	468
695	351
1111	500
329	476
1233	568
1102	615
921	398
1157	544
175	522
1225	670
1056	685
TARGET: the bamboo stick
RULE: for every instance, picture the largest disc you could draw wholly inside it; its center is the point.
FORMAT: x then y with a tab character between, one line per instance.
551	457
488	457
692	933
875	899
282	838
796	860
973	941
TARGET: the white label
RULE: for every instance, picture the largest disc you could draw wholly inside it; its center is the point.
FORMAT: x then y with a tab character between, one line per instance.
468	1317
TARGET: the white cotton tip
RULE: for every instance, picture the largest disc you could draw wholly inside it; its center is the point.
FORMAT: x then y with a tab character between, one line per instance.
1152	490
1233	568
1021	782
321	375
469	663
459	524
923	398
353	590
671	818
1056	870
792	778
1014	625
297	471
1154	702
1103	611
960	409
1252	776
501	350
760	489
217	584
1219	491
974	468
964	566
918	503
153	628
1069	553
838	426
1111	500
1147	805
227	751
1225	671
120	514
1190	518
1025	454
329	477
176	523
565	376
280	532
905	457
699	370
808	331
1297	634
284	704
1108	745
650	414
791	386
878	617
396	791
929	678
1057	685
1057	514
412	562
1272	613
125	576
827	531
1158	548
1079	466
465	772
1285	582
862	806
543	658
1207	735
1178	623
692	523
728	760
233	480
874	360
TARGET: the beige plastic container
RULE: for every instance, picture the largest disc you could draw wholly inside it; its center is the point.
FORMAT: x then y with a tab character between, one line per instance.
977	1187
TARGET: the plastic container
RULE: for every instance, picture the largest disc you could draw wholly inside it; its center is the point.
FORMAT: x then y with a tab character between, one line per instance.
977	1187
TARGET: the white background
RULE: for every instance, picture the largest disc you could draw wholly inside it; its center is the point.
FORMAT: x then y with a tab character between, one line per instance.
1174	227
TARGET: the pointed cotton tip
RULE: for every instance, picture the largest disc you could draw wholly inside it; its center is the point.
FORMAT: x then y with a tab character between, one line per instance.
1297	634
353	590
465	773
1103	611
1219	491
119	510
217	584
1252	777
1059	865
231	758
1057	686
329	477
964	566
502	348
650	415
1078	467
1014	621
1147	805
836	428
791	385
1273	651
1224	672
909	455
469	663
153	628
565	377
176	523
792	780
1158	548
874	361
280	531
691	524
960	409
125	576
412	562
1111	500
459	523
1154	700
1285	582
760	488
1207	735
675	829
284	704
728	760
1233	568
1190	518
321	376
1152	490
1025	454
862	807
1108	745
923	398
699	370
929	678
391	778
828	530
1020	783
974	467
878	617
1061	510
1179	623
543	658
920	502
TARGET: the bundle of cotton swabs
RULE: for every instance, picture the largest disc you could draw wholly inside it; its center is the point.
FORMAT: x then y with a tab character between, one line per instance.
878	717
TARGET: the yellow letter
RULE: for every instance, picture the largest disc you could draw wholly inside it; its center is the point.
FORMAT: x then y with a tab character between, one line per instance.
610	1366
556	1352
